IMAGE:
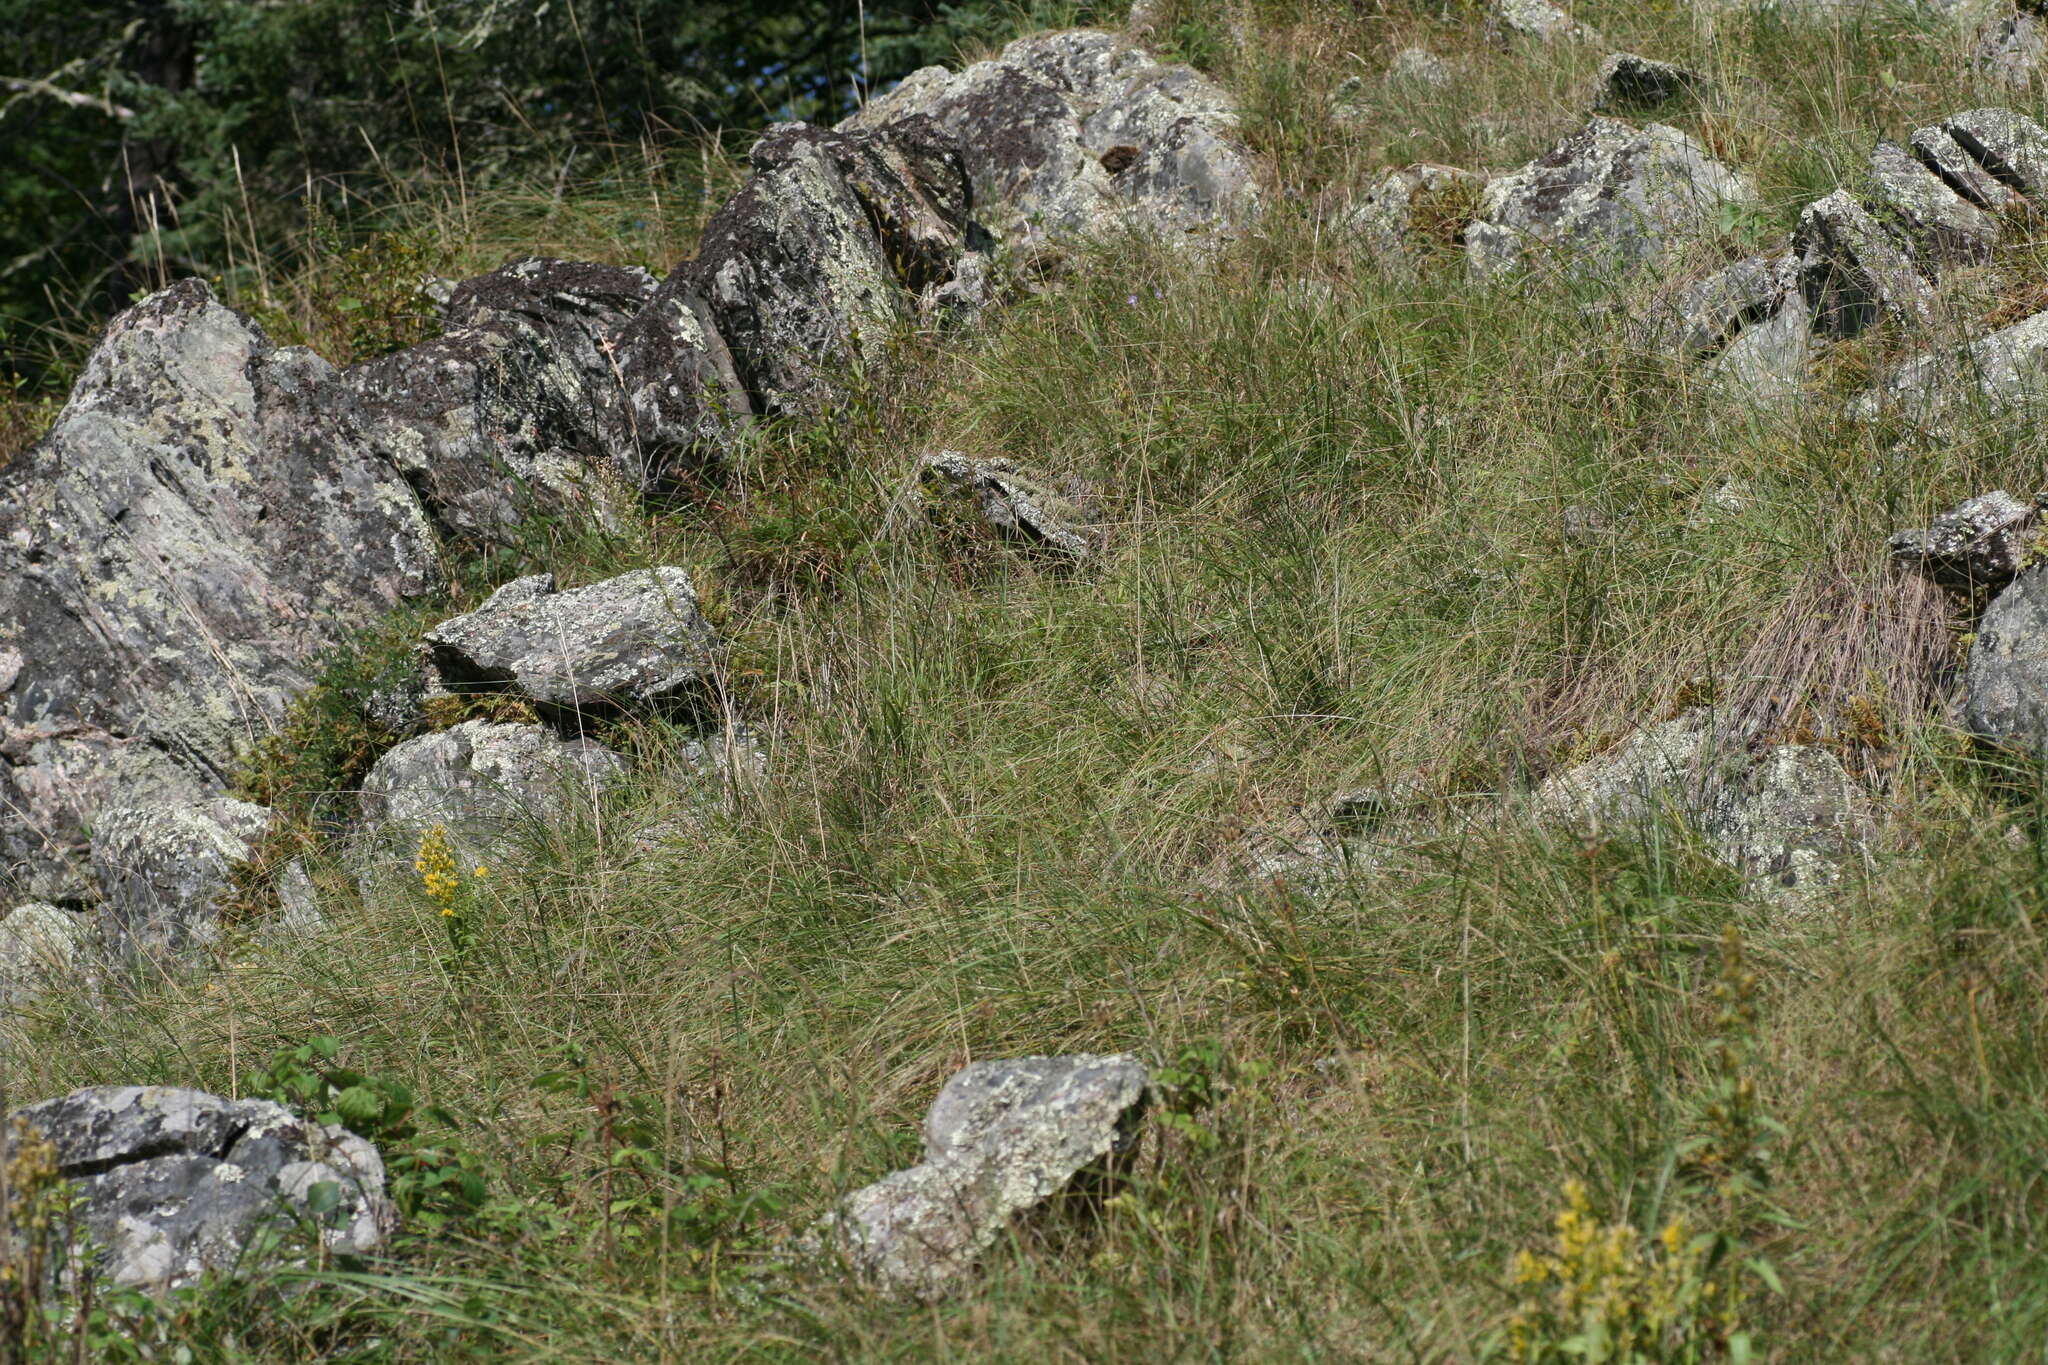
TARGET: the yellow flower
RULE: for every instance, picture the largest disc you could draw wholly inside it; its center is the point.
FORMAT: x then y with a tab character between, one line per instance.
482	871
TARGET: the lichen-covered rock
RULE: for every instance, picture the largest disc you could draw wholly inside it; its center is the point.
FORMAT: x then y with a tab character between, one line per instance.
507	411
674	403
1853	273
487	784
1976	546
1002	1138
1627	82
628	642
1943	228
1607	197
201	521
1701	316
1507	20
164	869
39	943
1788	816
1077	132
2005	686
1764	367
175	1183
2005	371
1383	217
2008	144
1937	149
1419	66
2010	48
811	267
1019	504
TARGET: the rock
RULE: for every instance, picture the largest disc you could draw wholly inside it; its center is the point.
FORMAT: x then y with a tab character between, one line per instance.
962	299
809	270
202	520
1384	217
1940	153
298	902
505	414
1002	1138
2011	146
2005	685
1765	366
675	405
39	943
1507	20
1072	133
1628	82
1789	816
1943	228
1419	66
174	1183
2007	370
1605	198
1703	315
164	869
2009	48
1018	504
631	642
1852	273
1980	544
488	784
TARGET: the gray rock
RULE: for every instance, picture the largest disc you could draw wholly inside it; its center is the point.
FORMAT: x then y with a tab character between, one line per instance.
2011	146
1419	66
675	405
298	902
1018	503
164	869
1789	816
1765	366
2005	685
1627	82
1507	20
2010	47
487	784
508	412
809	271
203	519
962	299
1943	228
1072	133
39	943
1605	198
1853	274
630	642
1701	316
1382	218
1940	153
1002	1138
2005	371
1978	545
175	1183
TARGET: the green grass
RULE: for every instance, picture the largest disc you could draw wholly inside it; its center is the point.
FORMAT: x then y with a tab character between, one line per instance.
1347	543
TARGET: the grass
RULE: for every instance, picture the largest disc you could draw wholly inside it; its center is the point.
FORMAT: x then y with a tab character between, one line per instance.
1362	526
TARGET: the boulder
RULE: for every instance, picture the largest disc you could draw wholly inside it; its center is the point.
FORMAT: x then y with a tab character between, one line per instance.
1703	315
1607	197
1853	274
1765	365
1976	546
675	405
39	943
1383	217
1937	150
165	869
172	1184
630	642
811	268
2011	146
2009	48
1507	20
510	411
487	784
1943	228
2005	684
1627	83
2005	371
1002	1138
1788	816
1019	504
1066	134
204	518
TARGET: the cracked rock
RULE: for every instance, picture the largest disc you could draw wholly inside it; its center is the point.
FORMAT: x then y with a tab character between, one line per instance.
1943	228
1019	504
1853	273
1979	544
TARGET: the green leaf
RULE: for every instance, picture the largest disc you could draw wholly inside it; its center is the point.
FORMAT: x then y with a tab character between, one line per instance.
1766	1272
359	1106
323	1196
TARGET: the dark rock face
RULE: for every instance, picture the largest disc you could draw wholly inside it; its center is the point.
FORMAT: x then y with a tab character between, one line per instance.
513	407
2005	686
175	1183
1854	274
204	517
1608	197
634	641
804	272
1977	545
163	869
1077	132
676	404
1002	1137
1627	82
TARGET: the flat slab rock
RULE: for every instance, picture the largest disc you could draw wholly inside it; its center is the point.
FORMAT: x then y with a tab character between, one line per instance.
1001	1138
174	1183
629	642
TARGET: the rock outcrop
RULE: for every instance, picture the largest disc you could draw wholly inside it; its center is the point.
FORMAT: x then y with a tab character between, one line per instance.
1018	504
1384	218
175	1183
1078	132
164	869
1853	273
1943	229
2005	685
632	642
39	943
1606	198
1002	1138
1977	546
203	518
